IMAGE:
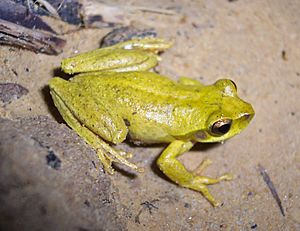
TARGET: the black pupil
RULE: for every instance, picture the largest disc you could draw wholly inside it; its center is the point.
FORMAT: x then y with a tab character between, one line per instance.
224	128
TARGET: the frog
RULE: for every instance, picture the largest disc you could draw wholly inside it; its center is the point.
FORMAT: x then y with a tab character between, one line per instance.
115	94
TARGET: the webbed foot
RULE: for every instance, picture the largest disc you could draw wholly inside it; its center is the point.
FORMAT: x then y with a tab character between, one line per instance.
108	155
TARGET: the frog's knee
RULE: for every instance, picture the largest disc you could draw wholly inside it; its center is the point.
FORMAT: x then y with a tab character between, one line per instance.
56	84
161	162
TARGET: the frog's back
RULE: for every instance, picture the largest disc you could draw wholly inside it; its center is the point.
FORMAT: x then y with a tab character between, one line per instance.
136	83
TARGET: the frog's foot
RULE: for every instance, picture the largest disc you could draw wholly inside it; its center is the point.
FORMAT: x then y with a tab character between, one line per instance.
199	183
170	166
108	155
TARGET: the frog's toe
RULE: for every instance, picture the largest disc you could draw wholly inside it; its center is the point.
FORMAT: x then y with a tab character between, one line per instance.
226	176
106	162
108	155
202	166
201	187
127	155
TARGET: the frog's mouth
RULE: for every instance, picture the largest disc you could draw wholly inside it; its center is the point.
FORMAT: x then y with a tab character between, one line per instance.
223	128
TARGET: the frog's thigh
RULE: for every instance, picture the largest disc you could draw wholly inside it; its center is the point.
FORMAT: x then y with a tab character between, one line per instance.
170	166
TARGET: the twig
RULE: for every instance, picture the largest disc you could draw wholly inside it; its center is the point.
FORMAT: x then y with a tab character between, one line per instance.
271	186
37	41
152	10
60	5
49	7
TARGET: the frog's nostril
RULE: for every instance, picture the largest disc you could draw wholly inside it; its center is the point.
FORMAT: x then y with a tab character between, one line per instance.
247	116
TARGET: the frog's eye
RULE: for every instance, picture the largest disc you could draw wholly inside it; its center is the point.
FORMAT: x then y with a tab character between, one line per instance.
221	127
233	83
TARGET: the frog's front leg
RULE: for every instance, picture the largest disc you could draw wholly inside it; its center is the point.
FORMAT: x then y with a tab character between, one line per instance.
175	170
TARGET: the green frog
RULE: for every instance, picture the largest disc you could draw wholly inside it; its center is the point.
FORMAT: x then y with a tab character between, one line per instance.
116	96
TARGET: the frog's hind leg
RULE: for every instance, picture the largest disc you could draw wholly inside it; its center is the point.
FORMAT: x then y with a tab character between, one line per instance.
131	55
83	124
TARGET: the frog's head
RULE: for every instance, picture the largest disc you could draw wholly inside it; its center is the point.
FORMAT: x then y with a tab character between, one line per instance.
228	114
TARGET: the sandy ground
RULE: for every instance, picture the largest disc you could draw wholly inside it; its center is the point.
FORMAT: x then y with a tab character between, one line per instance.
256	44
